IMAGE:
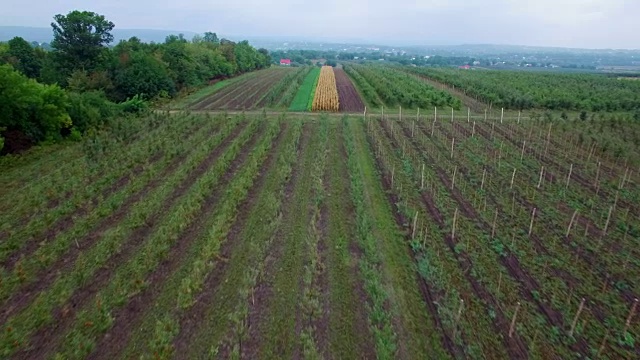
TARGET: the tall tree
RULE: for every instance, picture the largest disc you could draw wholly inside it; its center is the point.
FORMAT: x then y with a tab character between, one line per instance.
23	57
80	38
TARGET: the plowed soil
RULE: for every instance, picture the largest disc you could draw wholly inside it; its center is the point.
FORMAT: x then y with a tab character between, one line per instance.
350	100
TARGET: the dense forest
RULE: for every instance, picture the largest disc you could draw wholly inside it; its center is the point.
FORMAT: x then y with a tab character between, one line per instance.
83	81
527	90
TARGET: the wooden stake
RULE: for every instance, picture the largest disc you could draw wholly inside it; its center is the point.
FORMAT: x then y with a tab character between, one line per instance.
453	228
415	222
493	228
603	344
435	114
413	127
513	320
422	181
453	141
499	282
502	116
513	176
540	180
571	222
484	173
459	312
400	118
518	117
522	153
393	171
473	130
533	216
606	226
569	176
453	182
468	115
632	312
575	320
452	115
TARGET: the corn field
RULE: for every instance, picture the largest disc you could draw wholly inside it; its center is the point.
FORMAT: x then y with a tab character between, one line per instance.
326	98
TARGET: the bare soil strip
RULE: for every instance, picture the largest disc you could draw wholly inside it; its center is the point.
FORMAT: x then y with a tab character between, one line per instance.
350	100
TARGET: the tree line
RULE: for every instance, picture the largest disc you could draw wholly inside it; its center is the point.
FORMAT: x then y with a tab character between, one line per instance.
83	80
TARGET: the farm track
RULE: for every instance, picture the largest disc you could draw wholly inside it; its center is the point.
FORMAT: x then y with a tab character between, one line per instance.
427	294
344	255
129	317
409	315
350	100
24	295
51	336
279	319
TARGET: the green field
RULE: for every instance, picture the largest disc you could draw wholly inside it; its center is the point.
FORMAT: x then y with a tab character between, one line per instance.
305	93
261	236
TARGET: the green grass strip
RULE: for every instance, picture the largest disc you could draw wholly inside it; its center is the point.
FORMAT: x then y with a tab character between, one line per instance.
305	92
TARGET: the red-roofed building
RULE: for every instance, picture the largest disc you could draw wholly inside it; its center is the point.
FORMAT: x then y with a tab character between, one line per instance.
285	62
465	67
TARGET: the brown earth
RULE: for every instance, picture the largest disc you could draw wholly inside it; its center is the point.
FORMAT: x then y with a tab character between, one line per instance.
349	98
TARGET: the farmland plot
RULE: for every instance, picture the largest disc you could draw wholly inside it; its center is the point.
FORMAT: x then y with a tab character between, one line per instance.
258	236
350	100
245	94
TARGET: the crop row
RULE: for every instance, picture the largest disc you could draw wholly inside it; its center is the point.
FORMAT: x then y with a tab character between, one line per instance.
326	95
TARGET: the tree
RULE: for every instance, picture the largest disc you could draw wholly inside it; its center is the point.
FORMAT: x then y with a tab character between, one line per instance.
80	39
36	110
23	57
211	37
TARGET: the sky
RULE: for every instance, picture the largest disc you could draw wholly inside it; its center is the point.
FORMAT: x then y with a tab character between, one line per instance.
562	23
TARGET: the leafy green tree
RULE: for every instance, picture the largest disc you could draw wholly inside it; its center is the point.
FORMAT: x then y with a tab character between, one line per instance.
80	39
143	75
37	110
212	38
23	57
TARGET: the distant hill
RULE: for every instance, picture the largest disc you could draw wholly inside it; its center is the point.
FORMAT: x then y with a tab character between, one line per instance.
46	34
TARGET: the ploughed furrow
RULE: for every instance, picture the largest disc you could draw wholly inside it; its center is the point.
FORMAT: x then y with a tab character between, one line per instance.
349	332
397	307
514	345
137	274
74	192
350	100
33	275
119	238
238	84
260	91
128	319
241	93
238	90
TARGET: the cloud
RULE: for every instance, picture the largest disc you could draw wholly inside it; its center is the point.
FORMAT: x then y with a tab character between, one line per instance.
577	23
